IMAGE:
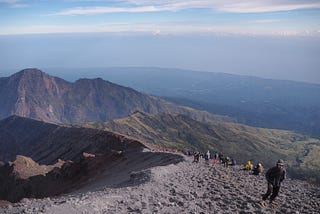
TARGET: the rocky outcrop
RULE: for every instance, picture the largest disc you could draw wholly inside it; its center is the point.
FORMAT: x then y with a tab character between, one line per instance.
24	167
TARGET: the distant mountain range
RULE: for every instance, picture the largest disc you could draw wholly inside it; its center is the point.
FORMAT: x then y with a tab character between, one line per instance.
238	141
253	101
35	94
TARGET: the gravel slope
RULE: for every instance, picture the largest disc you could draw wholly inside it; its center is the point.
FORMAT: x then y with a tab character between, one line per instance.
184	187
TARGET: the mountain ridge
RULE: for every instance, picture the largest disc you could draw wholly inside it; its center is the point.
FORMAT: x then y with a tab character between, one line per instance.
235	140
35	94
253	101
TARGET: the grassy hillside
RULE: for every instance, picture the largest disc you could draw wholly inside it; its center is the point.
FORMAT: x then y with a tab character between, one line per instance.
237	141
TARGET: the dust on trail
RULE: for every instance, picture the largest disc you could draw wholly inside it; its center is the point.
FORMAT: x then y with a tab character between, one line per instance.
185	187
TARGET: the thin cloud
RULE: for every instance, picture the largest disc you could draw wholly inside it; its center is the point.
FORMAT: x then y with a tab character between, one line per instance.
265	21
20	5
164	28
259	7
9	1
101	10
231	6
14	3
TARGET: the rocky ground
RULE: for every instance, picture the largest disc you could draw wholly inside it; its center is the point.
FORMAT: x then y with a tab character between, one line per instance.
183	187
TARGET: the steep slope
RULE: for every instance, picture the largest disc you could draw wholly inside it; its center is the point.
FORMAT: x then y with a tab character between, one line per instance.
47	143
237	141
33	93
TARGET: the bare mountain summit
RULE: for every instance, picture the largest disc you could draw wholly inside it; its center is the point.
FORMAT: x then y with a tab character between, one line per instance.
34	94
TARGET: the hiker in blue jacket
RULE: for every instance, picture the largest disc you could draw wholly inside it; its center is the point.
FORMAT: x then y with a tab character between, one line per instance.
274	176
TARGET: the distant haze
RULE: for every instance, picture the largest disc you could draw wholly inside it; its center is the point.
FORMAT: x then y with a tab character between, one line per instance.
289	58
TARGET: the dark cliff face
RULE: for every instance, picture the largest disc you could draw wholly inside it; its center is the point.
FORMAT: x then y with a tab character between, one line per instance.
34	94
47	143
20	135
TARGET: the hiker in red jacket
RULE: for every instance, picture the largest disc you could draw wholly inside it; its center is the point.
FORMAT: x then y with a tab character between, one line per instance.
274	176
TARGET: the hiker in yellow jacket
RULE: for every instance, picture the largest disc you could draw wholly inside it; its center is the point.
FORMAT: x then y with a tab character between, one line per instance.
249	165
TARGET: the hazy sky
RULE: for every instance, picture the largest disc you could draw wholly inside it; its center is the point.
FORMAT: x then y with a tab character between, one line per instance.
267	38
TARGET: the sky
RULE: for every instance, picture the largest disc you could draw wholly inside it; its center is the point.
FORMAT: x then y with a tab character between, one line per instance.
278	39
271	17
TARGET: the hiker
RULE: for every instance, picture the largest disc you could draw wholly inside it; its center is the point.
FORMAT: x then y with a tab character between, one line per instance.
216	158
274	176
248	165
223	161
207	155
202	155
221	157
257	169
196	157
227	161
233	162
188	153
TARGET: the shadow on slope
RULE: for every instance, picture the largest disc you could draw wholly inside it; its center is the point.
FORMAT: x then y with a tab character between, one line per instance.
133	169
24	178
